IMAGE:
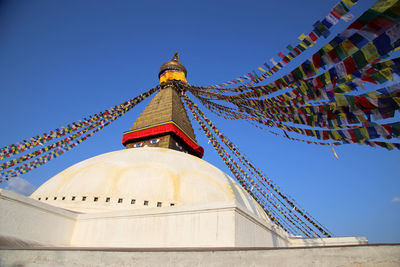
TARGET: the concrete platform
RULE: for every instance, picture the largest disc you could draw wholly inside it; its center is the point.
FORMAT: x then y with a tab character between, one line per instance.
387	255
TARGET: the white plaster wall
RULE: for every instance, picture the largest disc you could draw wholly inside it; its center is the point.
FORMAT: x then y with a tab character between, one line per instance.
22	218
34	223
250	232
199	226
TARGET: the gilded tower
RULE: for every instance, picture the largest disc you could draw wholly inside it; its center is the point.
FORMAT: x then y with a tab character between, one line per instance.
164	122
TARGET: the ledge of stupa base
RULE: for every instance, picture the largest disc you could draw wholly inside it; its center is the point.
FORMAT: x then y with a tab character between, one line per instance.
329	241
28	223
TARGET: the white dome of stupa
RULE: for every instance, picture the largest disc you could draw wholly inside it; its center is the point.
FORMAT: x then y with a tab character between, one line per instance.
142	178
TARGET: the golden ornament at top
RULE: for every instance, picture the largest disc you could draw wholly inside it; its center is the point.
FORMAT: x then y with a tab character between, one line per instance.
174	64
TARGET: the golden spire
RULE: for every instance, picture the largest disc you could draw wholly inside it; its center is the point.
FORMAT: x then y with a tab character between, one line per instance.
172	70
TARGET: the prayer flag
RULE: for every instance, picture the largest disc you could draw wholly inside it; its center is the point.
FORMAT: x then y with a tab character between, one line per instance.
327	23
313	37
332	19
349	3
273	61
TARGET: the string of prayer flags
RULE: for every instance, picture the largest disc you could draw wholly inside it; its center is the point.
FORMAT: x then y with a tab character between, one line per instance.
62	131
320	28
357	35
337	114
43	155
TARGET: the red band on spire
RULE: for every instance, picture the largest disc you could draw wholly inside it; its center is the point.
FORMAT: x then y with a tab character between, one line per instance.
165	128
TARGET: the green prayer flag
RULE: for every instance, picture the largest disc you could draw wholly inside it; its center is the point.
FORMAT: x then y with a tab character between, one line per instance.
359	59
396	129
289	47
340	52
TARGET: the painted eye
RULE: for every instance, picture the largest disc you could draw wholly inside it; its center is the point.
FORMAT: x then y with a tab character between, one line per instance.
178	145
138	145
154	141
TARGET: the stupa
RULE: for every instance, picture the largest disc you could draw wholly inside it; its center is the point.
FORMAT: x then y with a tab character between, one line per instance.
155	193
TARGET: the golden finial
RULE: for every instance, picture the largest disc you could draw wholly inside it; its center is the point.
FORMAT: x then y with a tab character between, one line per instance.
174	65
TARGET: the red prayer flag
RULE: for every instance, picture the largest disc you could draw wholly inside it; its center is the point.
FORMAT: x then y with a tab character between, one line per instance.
363	103
313	36
316	60
356	25
352	134
367	78
388	129
318	83
333	56
336	14
370	70
379	25
350	65
325	135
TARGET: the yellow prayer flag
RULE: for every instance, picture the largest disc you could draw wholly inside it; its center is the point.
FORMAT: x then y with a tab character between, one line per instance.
326	48
303	88
314	133
364	133
327	77
300	68
341	100
302	44
348	3
383	5
336	135
345	88
373	94
387	73
390	145
302	37
387	63
262	69
349	48
397	99
349	78
370	52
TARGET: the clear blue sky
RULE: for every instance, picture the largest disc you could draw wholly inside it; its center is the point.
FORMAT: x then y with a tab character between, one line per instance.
63	60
